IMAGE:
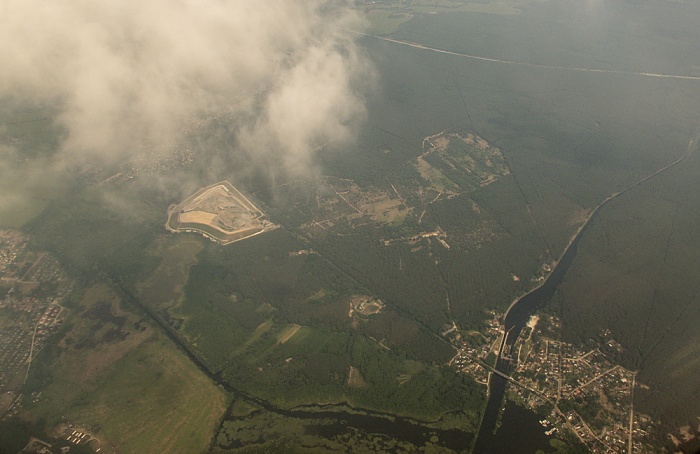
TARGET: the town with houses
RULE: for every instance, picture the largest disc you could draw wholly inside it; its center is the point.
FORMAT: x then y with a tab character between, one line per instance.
579	392
33	290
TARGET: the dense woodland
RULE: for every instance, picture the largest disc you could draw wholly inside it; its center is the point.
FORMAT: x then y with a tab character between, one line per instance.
568	139
639	267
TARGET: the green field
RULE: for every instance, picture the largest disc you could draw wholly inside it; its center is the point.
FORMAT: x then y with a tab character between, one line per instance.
287	337
432	235
114	375
176	256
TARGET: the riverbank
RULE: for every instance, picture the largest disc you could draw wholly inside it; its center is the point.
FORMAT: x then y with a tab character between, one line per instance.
522	308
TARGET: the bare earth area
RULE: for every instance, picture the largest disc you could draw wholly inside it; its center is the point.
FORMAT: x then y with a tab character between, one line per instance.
219	212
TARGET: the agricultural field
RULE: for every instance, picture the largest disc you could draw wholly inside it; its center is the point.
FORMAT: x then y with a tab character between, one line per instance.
484	149
113	376
293	336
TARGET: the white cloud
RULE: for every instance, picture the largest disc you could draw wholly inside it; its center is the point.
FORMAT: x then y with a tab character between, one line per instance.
130	72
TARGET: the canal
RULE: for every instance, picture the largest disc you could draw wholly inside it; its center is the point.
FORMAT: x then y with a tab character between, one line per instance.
516	318
519	313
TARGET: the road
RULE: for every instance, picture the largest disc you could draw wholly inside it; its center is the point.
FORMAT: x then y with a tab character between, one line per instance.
629	448
532	65
31	351
598	377
539	295
36	327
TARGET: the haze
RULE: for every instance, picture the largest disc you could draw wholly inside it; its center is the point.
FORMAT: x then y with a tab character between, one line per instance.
128	74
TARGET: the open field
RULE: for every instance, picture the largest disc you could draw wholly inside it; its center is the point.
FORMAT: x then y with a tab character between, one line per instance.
154	401
340	201
466	161
113	375
163	289
438	230
288	333
220	212
405	203
355	379
365	305
196	217
384	21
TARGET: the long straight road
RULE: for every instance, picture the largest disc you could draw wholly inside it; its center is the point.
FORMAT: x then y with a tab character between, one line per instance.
533	65
631	428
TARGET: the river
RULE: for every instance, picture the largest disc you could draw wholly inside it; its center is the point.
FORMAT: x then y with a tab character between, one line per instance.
322	420
516	318
522	434
519	313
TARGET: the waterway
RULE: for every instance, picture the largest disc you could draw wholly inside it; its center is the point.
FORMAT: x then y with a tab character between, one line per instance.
519	430
515	320
490	440
323	420
330	421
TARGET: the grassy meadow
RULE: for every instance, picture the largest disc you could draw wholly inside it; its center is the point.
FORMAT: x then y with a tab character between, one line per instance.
113	374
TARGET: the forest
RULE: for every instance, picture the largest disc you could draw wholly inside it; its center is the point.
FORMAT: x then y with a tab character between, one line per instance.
439	235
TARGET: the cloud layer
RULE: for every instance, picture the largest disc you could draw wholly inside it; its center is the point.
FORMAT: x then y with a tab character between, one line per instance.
128	73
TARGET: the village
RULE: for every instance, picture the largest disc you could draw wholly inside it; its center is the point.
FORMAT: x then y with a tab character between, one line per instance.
478	349
34	288
582	392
